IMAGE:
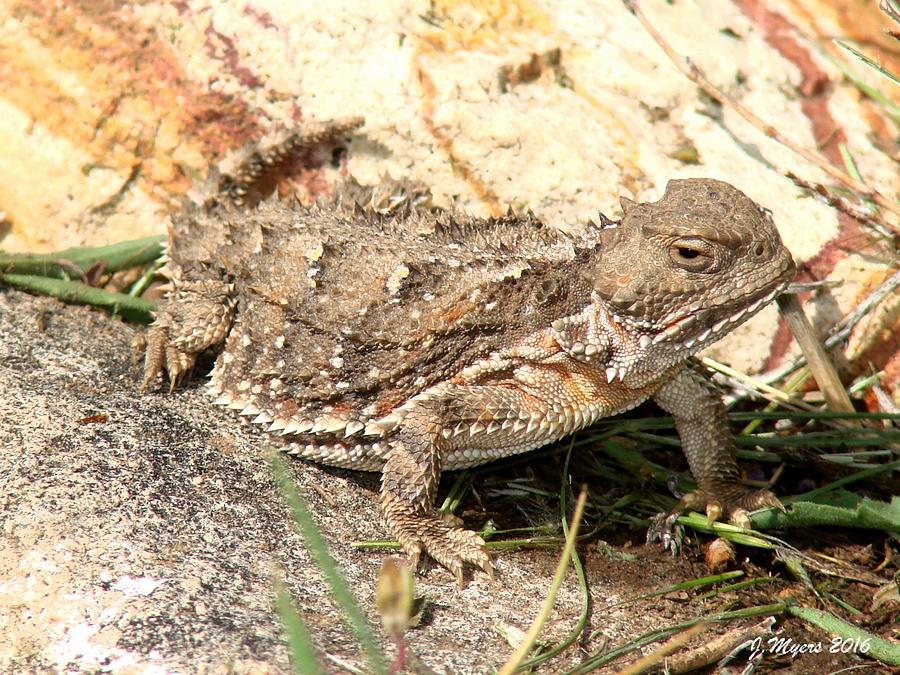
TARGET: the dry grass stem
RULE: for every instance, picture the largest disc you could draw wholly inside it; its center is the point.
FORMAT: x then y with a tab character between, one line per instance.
841	330
836	396
690	69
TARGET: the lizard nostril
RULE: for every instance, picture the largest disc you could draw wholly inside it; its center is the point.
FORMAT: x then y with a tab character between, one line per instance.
759	250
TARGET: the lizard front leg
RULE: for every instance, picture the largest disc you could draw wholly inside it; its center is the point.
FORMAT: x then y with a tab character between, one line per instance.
708	444
195	317
409	484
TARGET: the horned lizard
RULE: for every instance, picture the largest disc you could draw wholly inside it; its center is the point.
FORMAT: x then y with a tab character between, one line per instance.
413	341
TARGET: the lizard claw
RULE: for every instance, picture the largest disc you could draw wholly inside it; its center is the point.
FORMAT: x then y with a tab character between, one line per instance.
730	498
160	354
664	529
450	546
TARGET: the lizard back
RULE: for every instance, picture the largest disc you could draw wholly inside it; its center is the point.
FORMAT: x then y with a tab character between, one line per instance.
350	312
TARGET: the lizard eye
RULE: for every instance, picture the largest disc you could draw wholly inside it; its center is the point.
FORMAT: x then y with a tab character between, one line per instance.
693	256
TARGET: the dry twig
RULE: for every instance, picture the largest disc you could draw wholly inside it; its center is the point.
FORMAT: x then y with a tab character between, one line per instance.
822	369
841	330
842	204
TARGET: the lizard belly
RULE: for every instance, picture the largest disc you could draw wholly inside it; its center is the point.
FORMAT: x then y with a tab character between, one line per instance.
547	402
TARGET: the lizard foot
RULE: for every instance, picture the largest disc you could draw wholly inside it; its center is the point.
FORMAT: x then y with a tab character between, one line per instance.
450	546
197	315
731	499
160	354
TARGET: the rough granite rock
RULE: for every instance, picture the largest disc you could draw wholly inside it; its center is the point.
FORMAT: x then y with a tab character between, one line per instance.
413	341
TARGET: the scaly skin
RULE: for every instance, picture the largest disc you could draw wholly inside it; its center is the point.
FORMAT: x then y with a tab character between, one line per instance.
412	341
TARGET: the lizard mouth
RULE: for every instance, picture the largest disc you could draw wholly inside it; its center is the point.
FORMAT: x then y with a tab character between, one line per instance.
686	331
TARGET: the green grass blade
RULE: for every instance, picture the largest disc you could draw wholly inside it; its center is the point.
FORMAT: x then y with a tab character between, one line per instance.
579	571
318	549
849	163
727	531
889	107
512	664
303	654
130	308
877	67
865	643
729	588
850	511
595	661
60	263
696	583
846	480
800	416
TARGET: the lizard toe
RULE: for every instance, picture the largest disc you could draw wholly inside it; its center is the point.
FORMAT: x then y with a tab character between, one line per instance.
761	499
731	499
470	548
178	365
739	509
152	347
161	355
451	547
664	529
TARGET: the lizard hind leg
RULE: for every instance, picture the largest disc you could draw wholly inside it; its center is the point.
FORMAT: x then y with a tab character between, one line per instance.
239	178
408	487
199	310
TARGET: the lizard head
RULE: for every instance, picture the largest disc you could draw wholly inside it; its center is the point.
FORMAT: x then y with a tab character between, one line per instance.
687	269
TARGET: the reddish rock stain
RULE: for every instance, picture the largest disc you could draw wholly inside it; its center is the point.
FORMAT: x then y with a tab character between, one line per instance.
814	91
230	57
